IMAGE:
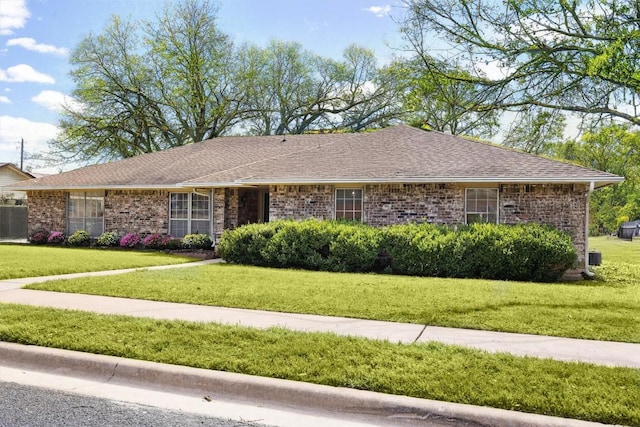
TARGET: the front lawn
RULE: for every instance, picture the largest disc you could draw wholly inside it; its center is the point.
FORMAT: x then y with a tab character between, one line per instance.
603	310
431	371
30	260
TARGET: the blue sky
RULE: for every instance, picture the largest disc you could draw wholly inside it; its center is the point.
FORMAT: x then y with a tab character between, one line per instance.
36	37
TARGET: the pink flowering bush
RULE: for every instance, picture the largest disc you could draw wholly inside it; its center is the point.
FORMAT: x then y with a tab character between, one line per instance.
156	241
39	236
56	238
129	240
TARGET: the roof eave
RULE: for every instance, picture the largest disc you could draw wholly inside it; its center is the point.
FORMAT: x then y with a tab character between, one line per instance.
598	181
95	187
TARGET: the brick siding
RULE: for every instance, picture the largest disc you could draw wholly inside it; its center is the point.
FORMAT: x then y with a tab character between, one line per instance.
136	211
562	206
401	203
47	209
301	202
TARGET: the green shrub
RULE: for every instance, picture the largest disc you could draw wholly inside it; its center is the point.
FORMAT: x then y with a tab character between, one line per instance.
174	244
79	238
108	238
520	252
354	248
414	249
197	241
244	245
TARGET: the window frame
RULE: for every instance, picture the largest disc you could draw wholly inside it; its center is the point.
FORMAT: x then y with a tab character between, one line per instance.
483	214
189	214
354	200
96	220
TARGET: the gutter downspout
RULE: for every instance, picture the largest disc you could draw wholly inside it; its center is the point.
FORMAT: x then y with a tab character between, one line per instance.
587	274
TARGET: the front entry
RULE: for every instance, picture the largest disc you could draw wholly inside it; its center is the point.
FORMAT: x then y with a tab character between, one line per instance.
253	205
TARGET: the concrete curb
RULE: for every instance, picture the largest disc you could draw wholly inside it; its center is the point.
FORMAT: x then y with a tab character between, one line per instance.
264	391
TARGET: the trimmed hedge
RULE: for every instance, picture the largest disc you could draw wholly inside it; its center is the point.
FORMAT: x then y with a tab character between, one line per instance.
528	252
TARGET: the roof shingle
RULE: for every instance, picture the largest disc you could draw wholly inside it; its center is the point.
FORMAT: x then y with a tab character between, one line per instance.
395	154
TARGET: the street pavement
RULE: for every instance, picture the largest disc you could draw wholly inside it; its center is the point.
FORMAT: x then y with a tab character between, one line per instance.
332	399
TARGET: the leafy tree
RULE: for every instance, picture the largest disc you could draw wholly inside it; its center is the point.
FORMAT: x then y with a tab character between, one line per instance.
581	56
142	91
536	131
195	69
291	90
615	149
436	102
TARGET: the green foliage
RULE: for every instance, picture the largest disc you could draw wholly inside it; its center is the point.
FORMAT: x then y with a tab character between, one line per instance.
433	101
52	260
176	78
427	371
244	245
521	252
576	56
614	149
79	238
607	308
536	131
108	238
197	241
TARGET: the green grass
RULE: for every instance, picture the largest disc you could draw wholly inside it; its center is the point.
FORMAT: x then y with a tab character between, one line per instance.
433	371
30	261
601	310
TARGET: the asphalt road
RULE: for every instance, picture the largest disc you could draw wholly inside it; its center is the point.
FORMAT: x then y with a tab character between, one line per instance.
27	406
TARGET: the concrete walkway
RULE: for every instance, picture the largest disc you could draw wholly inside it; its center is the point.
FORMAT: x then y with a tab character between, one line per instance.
566	349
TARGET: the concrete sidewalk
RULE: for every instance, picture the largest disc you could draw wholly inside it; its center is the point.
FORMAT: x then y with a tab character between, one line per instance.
295	400
566	349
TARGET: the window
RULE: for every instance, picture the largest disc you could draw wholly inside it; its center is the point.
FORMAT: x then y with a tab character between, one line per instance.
85	211
349	204
189	213
481	205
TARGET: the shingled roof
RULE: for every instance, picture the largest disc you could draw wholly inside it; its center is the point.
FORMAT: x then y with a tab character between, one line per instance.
399	154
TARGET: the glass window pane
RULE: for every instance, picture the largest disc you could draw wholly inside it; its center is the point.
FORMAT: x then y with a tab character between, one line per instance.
349	204
179	203
200	227
482	205
85	211
178	228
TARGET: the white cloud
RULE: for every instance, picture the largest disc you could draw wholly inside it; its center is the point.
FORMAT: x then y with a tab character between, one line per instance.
13	14
55	101
30	44
494	70
4	100
380	11
24	73
35	134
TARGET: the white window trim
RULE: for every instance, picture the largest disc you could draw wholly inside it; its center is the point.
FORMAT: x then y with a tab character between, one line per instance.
335	201
497	190
189	210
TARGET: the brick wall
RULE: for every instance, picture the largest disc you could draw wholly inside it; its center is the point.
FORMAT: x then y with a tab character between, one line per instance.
219	209
561	206
47	209
231	208
400	203
301	202
139	211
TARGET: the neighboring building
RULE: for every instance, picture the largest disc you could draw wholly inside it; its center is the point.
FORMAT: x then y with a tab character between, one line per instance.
9	174
395	175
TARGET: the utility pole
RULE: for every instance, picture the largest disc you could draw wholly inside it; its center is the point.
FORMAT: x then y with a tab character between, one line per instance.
21	153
